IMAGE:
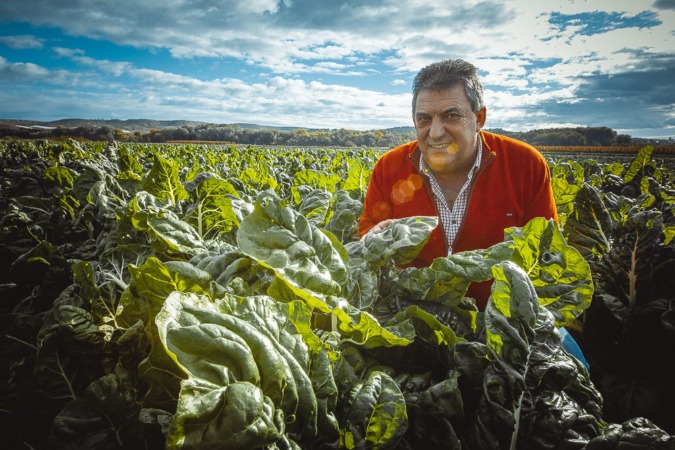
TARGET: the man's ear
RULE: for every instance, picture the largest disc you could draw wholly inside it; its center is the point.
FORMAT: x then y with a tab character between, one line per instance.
481	117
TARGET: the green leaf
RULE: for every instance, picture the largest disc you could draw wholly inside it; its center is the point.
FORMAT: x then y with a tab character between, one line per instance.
589	227
345	215
364	329
151	283
641	160
257	179
376	415
561	276
402	241
298	252
668	234
237	416
358	175
216	206
314	206
436	332
510	318
105	415
127	161
363	287
170	234
317	179
239	350
163	181
61	176
448	278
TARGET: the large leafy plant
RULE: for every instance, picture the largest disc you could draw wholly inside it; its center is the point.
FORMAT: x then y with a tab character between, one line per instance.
624	232
201	297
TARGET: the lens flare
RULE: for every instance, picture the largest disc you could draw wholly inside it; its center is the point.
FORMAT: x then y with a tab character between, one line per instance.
453	148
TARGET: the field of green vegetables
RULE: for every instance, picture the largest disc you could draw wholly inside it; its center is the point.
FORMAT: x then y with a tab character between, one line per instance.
217	297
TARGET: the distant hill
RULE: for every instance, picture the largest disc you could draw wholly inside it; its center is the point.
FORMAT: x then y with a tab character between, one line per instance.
148	130
146	125
129	125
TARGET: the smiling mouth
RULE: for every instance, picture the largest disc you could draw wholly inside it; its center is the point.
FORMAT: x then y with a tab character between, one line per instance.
452	148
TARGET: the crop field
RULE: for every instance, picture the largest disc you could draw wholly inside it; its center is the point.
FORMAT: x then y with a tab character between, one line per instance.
189	296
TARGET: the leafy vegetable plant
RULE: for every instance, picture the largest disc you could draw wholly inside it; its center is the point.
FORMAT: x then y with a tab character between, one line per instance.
194	297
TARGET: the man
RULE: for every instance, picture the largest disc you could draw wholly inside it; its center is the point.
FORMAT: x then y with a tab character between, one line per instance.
477	183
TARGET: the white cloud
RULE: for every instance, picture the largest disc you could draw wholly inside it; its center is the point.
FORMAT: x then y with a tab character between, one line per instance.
21	41
525	57
21	71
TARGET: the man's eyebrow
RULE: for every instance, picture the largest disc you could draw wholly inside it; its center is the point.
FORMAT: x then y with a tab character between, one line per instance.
453	109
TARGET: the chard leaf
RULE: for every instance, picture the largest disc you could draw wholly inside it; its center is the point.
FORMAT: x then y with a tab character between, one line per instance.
510	315
637	166
589	227
373	414
364	329
258	178
237	416
343	221
216	206
358	175
564	194
635	433
668	234
363	286
402	241
185	337
238	351
435	332
63	177
163	181
127	161
534	393
105	415
298	252
152	282
317	179
510	318
68	335
314	206
628	275
92	173
448	278
561	276
171	235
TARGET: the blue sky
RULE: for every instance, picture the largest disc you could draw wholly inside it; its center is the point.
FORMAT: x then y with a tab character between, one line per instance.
338	64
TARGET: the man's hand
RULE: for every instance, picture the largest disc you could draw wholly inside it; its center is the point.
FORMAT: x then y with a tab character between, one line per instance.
379	227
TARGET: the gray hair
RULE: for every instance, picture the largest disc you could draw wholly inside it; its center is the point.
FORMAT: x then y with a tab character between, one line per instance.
447	73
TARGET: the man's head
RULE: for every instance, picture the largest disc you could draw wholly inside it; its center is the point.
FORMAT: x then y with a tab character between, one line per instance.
448	113
447	73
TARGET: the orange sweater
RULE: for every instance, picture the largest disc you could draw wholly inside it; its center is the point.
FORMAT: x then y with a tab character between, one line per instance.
512	186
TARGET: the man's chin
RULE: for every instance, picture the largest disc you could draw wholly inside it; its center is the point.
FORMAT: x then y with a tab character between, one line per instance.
439	160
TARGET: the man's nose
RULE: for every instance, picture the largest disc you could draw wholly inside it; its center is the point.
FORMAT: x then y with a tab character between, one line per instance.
436	130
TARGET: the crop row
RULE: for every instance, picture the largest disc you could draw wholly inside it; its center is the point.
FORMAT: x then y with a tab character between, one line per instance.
195	296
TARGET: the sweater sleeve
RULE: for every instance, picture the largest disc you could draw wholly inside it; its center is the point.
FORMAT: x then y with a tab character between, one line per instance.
376	207
542	201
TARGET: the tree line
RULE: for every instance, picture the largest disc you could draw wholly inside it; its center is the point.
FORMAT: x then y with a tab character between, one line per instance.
235	134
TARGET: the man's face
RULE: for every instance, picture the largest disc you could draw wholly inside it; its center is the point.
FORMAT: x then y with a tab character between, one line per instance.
447	129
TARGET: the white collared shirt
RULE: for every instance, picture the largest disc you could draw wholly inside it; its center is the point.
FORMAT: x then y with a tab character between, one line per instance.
451	219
